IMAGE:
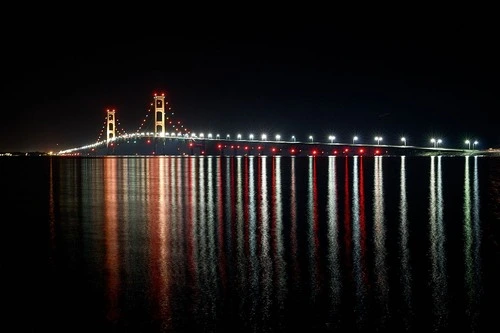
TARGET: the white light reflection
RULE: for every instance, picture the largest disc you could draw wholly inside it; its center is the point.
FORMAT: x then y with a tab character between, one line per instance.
228	204
252	243
192	239
358	251
405	271
265	258
239	222
220	200
211	225
177	171
312	217
382	287
207	298
278	248
333	238
437	240
471	246
293	228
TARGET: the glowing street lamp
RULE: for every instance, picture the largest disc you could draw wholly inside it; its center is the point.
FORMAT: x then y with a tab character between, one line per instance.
433	141
311	138
264	137
404	140
251	136
278	137
467	142
293	138
239	136
474	144
228	136
217	136
355	138
209	135
378	138
331	138
438	142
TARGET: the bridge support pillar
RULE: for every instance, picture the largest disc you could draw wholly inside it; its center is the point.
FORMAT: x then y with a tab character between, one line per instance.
110	125
160	115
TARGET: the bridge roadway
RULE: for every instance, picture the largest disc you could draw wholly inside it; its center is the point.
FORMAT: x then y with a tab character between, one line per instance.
148	145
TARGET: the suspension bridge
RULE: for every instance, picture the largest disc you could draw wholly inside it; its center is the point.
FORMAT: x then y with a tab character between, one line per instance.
160	133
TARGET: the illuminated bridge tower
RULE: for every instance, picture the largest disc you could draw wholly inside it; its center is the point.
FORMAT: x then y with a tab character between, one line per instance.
160	115
111	126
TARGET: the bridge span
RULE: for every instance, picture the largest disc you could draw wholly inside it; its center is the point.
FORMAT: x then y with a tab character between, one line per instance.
151	144
168	136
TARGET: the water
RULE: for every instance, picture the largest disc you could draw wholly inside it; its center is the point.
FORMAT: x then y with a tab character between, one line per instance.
251	244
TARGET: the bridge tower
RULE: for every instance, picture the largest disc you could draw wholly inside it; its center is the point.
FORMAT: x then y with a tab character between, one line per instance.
111	126
160	114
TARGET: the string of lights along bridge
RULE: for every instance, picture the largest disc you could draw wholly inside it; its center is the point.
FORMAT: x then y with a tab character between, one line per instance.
160	133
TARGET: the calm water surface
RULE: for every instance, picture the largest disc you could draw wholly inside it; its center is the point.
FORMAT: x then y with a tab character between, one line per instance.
251	244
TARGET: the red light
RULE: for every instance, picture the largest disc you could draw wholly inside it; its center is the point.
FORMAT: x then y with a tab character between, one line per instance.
232	146
246	148
274	149
314	152
361	150
335	152
258	147
346	150
377	151
190	144
149	141
293	151
219	146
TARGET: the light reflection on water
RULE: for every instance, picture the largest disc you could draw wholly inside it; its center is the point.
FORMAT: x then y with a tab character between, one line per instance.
437	244
271	243
405	271
333	257
472	243
358	241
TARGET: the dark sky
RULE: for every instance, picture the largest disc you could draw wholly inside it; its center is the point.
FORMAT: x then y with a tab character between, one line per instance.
418	78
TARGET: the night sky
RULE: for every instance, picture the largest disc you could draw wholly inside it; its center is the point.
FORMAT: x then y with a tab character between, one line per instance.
417	78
